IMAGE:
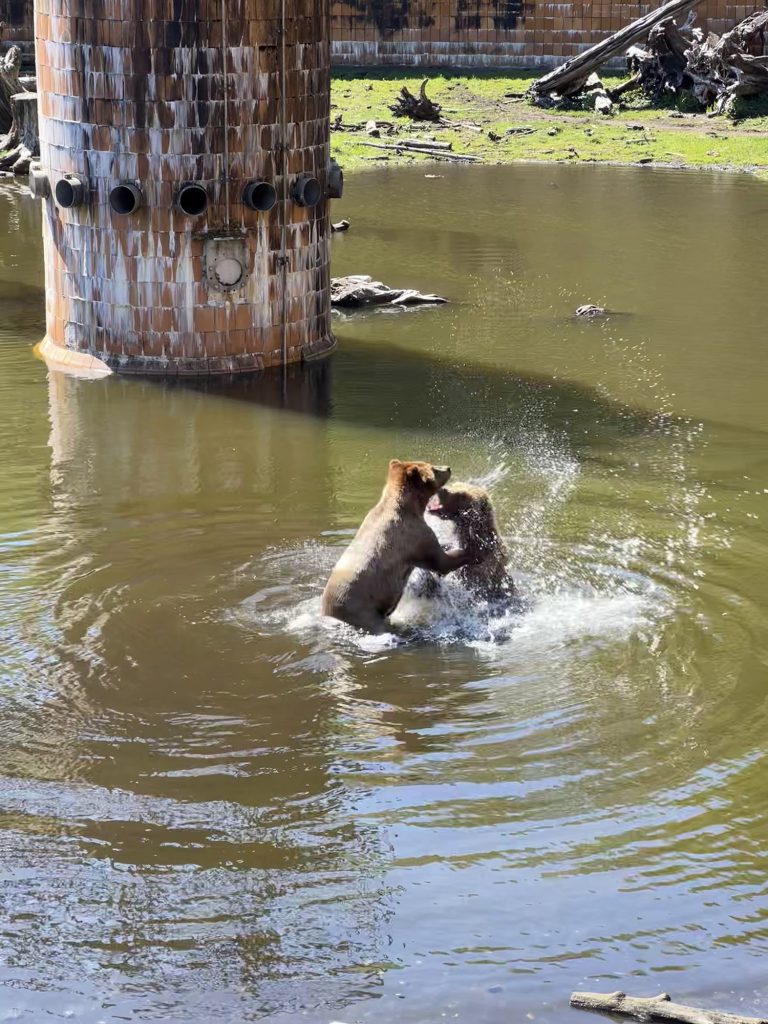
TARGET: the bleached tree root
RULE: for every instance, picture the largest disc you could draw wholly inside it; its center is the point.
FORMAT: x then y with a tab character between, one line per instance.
658	1007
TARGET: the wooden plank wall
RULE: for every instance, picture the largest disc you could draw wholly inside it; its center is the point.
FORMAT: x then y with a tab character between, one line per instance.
488	33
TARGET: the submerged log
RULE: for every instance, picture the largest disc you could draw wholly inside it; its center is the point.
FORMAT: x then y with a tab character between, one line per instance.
22	144
658	1007
418	108
359	290
570	78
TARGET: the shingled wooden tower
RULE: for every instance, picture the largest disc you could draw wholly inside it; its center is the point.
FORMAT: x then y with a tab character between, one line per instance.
185	176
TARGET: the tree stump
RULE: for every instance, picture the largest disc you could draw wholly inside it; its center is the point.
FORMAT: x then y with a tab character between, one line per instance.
23	141
10	66
418	108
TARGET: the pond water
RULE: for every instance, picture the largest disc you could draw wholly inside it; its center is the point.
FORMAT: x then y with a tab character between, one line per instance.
216	806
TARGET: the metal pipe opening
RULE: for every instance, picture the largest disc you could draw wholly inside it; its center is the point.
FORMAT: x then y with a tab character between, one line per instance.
259	195
306	190
192	200
125	198
39	185
70	192
335	181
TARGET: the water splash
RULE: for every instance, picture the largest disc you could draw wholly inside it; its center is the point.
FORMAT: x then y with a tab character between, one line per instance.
593	599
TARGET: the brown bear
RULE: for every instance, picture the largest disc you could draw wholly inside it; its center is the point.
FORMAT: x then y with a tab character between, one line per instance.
470	511
368	580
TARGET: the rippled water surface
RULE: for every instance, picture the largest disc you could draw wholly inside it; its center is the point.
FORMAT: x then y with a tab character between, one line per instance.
216	806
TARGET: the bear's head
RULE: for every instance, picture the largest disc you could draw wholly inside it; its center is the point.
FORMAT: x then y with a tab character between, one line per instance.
420	480
459	500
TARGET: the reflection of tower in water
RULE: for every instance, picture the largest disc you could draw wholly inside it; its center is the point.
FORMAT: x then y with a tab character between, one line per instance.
209	777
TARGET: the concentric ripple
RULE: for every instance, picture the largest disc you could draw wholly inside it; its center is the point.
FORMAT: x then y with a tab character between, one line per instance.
217	805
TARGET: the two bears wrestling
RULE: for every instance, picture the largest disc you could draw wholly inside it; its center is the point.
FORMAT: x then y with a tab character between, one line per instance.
369	579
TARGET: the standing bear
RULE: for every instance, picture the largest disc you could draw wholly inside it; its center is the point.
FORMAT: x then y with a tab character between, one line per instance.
368	580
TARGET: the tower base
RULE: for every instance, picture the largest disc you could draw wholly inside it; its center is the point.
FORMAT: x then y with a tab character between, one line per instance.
83	364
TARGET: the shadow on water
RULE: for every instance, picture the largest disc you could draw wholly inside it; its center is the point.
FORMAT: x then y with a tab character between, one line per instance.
23	307
385	385
303	389
417	390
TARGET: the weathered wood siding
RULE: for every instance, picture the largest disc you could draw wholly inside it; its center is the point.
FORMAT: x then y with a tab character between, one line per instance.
134	90
462	32
488	33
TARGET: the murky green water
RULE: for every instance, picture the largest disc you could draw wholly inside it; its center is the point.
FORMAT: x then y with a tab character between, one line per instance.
215	807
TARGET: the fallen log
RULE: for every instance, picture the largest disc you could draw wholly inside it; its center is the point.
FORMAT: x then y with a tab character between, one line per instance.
444	146
440	154
22	144
338	125
418	108
571	76
360	290
466	125
658	1007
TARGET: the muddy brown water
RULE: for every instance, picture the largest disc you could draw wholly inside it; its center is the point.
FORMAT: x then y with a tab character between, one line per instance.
214	806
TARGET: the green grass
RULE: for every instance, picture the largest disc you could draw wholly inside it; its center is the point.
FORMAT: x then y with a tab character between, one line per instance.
672	134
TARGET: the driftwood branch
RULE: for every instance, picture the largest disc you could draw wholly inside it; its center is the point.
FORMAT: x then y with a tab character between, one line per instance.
445	146
438	154
570	78
658	1007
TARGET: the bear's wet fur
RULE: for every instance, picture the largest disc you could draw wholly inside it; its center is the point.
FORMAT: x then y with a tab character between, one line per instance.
367	582
470	511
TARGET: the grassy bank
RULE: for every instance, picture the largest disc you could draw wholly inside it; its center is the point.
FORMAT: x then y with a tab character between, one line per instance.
635	134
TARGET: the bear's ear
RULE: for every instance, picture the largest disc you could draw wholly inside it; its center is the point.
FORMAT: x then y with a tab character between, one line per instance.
395	463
